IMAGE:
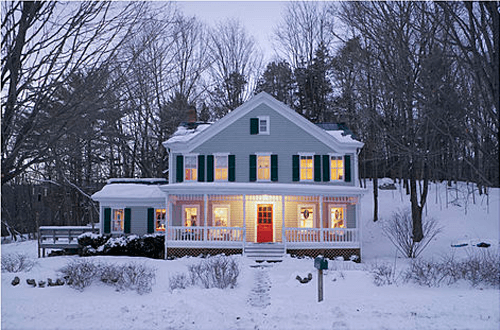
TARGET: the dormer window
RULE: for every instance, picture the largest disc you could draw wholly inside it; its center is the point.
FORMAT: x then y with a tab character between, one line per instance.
260	125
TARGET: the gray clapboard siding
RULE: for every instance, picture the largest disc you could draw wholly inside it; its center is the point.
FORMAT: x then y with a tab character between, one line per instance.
139	220
351	216
285	139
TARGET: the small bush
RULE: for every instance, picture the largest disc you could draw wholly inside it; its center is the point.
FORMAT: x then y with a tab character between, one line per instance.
15	263
80	274
178	281
479	267
383	275
214	272
399	230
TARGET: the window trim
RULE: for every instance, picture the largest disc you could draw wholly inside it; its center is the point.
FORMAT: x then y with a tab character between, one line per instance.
344	212
221	154
330	155
268	125
195	169
306	154
262	154
112	225
188	206
308	205
228	207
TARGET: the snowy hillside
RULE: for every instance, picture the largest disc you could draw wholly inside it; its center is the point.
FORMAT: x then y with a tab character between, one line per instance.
268	296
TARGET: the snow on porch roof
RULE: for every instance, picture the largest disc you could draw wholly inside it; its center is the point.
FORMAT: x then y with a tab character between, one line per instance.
129	191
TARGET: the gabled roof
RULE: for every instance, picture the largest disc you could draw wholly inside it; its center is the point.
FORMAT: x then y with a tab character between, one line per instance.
192	141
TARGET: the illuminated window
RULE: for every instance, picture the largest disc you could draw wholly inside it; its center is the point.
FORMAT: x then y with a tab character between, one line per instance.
221	216
220	168
306	168
117	221
337	217
191	215
190	168
306	216
336	168
264	168
160	219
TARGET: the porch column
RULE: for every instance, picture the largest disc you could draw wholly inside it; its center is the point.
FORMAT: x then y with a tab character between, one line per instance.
168	216
283	231
205	215
321	218
244	221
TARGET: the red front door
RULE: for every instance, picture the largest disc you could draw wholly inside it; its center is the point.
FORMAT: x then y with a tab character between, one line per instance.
264	223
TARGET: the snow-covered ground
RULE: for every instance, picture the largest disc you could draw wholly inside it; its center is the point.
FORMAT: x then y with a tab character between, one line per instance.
269	296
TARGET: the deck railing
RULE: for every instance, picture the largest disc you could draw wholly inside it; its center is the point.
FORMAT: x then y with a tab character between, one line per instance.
197	234
316	235
60	237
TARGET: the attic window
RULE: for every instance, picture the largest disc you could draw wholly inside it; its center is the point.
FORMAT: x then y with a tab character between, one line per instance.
260	125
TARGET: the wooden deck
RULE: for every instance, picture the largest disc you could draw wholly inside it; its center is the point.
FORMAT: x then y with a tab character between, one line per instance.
60	237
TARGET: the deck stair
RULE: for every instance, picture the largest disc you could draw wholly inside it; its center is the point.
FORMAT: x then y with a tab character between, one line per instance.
265	251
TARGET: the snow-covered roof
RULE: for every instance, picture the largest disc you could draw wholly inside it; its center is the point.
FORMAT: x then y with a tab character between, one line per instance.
129	192
341	136
138	180
184	134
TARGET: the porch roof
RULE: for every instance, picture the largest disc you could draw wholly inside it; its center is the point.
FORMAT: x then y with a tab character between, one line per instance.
130	192
251	188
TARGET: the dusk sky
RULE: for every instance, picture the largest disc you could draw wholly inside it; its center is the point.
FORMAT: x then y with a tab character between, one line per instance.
259	17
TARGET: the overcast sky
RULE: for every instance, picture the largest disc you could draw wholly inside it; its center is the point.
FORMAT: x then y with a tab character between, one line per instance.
259	17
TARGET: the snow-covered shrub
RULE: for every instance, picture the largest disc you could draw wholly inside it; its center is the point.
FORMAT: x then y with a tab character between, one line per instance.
80	274
132	276
138	277
426	272
480	267
178	281
215	272
17	262
151	246
399	229
92	240
383	274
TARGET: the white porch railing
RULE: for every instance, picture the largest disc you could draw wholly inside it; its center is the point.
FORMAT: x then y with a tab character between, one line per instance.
197	234
317	235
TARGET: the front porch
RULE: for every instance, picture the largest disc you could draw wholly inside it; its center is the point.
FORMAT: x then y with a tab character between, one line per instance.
231	223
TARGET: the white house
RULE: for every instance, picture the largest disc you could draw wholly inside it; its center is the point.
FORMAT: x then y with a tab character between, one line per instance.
262	181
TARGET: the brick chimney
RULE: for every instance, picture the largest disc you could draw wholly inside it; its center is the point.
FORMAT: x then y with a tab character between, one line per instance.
191	115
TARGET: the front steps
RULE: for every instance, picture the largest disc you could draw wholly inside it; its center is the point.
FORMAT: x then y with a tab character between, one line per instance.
264	251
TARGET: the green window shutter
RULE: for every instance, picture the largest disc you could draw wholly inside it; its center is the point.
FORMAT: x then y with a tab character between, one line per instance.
326	167
317	167
201	168
107	220
179	170
151	220
253	168
254	126
274	167
126	225
210	168
231	160
347	168
296	167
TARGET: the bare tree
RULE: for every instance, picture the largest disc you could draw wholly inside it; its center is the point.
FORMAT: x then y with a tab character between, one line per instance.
236	62
42	44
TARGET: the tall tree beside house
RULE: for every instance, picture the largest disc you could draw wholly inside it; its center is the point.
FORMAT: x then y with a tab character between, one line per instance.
236	62
278	80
